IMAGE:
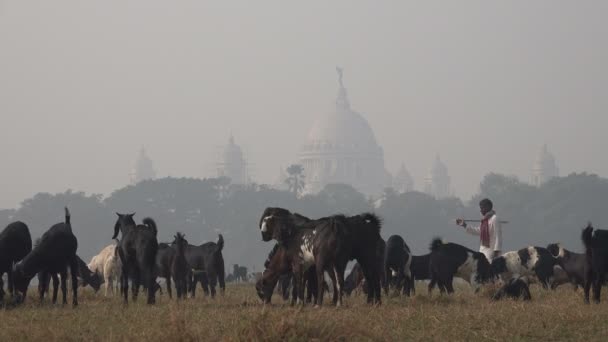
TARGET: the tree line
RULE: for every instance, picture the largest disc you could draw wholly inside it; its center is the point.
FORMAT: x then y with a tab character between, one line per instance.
202	208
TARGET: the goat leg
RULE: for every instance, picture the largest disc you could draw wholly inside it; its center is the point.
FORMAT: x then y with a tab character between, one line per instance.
74	273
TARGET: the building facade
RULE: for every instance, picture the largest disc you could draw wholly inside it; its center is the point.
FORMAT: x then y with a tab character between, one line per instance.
341	148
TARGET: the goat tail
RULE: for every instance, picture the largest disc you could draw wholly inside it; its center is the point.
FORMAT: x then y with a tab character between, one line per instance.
435	244
67	216
373	219
220	242
151	224
587	236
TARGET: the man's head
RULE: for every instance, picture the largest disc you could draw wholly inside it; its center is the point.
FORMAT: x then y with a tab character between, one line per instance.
485	206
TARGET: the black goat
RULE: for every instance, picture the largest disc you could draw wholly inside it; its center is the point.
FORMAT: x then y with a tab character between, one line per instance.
137	251
515	288
179	266
596	267
239	273
207	263
85	276
164	257
15	244
420	269
328	243
449	260
572	263
55	252
397	265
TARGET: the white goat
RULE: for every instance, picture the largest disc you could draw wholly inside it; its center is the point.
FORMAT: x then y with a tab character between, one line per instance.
107	265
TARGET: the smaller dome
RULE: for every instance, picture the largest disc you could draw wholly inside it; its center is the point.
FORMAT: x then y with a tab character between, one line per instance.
403	181
439	169
232	152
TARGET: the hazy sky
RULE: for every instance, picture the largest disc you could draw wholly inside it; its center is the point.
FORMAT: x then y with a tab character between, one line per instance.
84	84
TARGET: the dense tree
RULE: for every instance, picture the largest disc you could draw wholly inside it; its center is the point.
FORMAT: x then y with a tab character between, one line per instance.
202	208
295	179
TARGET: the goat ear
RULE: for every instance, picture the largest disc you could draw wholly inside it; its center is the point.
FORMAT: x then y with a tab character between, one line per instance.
132	214
119	215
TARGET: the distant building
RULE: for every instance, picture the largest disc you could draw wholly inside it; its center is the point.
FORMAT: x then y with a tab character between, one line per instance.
403	181
143	169
280	181
233	164
544	168
341	148
437	182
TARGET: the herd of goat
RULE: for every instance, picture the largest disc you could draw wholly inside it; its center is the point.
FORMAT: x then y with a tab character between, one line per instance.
306	250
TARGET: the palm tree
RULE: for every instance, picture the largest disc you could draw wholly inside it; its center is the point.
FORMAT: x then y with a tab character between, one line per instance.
295	180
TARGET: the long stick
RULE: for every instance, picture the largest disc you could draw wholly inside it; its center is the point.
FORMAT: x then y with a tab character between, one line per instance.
465	220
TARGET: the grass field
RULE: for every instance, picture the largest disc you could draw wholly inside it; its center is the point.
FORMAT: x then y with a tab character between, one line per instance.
238	316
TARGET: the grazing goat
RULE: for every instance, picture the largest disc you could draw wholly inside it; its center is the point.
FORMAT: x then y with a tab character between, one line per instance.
137	251
596	267
397	265
354	280
449	260
107	264
573	264
179	266
528	262
515	288
164	259
207	263
55	252
15	244
278	269
328	243
85	276
239	273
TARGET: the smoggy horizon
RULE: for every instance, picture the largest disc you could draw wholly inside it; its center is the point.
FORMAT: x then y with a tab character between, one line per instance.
83	86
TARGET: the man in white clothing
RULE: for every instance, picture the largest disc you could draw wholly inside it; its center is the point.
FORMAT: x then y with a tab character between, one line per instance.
489	231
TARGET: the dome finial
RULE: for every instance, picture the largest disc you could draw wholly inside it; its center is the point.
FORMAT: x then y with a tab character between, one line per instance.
340	72
342	100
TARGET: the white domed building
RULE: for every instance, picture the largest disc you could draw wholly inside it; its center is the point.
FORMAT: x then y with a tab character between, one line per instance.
437	182
341	148
143	168
403	181
232	164
544	168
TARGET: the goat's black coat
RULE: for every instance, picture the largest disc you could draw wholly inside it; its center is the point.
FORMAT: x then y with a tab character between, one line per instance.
15	244
515	288
572	263
447	258
137	251
596	252
397	259
55	252
207	263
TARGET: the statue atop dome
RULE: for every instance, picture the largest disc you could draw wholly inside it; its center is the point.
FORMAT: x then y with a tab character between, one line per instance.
342	99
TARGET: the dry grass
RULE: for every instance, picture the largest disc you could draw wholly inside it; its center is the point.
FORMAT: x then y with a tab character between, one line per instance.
559	315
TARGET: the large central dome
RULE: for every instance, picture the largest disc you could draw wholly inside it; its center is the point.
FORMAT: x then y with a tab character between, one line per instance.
341	148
